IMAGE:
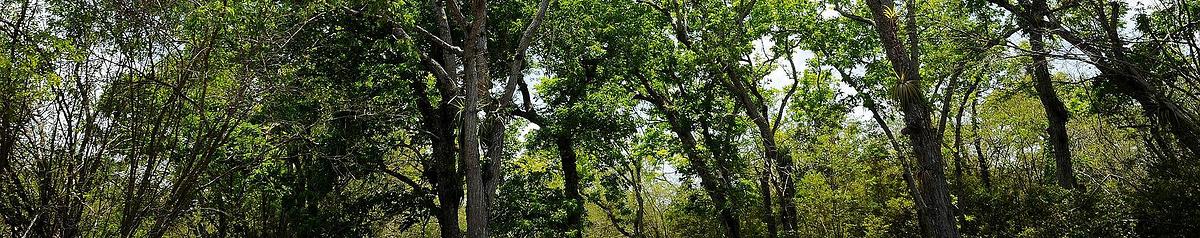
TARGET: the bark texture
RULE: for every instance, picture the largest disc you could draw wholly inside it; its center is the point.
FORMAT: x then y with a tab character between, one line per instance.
925	141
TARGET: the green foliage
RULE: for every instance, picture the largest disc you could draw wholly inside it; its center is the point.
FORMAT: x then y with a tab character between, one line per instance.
313	118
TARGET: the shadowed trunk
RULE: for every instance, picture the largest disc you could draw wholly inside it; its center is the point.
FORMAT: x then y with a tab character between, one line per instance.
985	174
566	152
764	187
1056	112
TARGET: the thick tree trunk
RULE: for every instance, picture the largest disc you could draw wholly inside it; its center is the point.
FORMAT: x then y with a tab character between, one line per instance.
475	80
932	179
476	197
448	185
927	148
924	139
1167	114
481	190
566	153
442	168
443	171
1160	110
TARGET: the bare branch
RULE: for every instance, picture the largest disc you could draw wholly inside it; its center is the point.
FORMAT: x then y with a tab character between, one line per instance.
440	42
854	17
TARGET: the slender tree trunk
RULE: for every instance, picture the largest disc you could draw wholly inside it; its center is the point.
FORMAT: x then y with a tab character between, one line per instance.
13	111
683	130
959	156
716	191
907	175
985	174
10	209
925	141
708	180
1056	112
960	189
758	114
639	195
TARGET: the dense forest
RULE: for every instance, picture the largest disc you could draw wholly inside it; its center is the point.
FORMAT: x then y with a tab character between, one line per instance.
599	118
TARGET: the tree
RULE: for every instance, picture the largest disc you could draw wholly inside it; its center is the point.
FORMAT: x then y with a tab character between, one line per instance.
1056	112
923	137
1107	50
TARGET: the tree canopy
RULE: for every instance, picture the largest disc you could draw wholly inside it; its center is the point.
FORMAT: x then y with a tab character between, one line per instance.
600	118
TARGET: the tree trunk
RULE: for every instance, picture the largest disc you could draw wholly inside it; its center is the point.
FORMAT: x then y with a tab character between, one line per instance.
764	188
985	174
566	153
960	185
1056	112
907	175
959	156
11	188
476	198
639	196
758	114
448	185
683	129
925	141
708	180
442	168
